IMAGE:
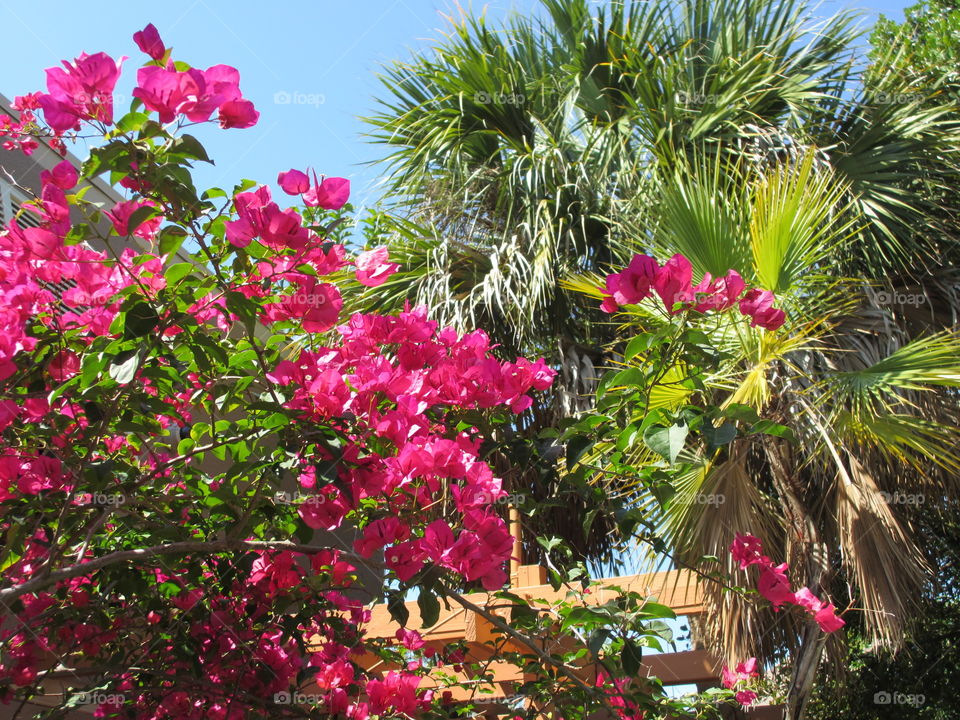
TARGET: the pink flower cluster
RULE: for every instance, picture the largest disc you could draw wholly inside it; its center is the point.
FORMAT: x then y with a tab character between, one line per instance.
374	267
33	258
394	374
20	131
195	94
82	91
774	585
330	194
744	672
260	217
673	283
616	692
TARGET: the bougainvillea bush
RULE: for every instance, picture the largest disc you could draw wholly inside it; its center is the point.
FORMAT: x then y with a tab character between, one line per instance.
201	454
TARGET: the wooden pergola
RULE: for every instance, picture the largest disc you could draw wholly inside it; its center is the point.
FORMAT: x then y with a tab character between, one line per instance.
677	589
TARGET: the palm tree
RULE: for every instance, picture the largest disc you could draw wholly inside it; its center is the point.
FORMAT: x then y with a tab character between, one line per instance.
525	161
867	388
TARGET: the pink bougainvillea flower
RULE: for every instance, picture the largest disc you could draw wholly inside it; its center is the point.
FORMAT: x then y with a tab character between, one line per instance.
317	305
374	267
217	85
807	600
410	639
672	283
380	533
744	672
237	114
758	305
64	365
260	217
747	550
395	695
720	294
405	559
30	101
293	182
81	90
774	585
827	618
148	40
165	90
331	194
63	175
631	285
122	212
324	511
195	94
240	232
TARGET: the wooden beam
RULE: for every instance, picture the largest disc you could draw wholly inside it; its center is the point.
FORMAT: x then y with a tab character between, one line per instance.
677	589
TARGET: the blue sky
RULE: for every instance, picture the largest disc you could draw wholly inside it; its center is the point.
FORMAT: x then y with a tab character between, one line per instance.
309	66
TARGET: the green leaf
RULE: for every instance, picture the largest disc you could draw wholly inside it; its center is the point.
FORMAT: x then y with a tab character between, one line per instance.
597	640
576	447
140	320
243	307
717	437
638	345
666	441
631	377
131	122
768	427
78	233
741	412
124	368
139	217
176	272
429	607
91	367
188	146
171	238
631	657
398	608
657	610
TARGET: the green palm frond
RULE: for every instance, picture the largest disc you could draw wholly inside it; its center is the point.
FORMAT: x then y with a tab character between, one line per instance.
925	363
800	219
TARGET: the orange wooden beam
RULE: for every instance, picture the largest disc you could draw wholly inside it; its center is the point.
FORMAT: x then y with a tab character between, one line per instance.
677	589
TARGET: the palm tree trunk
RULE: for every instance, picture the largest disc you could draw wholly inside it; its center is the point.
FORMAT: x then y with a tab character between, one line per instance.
805	663
803	531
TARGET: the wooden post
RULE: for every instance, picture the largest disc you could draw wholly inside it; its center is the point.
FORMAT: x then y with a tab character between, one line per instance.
516	557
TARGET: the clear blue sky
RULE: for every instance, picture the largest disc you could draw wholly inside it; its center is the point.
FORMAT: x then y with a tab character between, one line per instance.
309	66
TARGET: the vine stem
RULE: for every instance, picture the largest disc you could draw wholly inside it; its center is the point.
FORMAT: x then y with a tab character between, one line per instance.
140	554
